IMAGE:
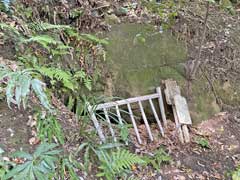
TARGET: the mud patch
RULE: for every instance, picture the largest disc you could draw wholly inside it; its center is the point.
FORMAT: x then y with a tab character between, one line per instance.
14	132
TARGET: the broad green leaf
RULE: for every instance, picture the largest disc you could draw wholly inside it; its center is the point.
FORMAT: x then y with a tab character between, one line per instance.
10	91
54	152
22	154
24	174
39	174
80	148
16	170
43	148
1	151
25	87
37	86
18	92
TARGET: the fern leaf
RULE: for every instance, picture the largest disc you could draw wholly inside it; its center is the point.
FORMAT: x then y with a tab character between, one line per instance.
63	76
43	40
116	162
43	26
88	84
94	39
25	83
80	74
9	28
37	87
10	90
18	92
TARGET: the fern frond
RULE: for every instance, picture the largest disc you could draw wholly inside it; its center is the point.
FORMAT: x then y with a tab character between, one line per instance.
94	39
116	162
88	83
86	80
86	37
75	13
8	28
44	40
37	86
123	159
43	26
55	73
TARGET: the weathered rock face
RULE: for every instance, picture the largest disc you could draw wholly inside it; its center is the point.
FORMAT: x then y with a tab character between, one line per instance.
139	58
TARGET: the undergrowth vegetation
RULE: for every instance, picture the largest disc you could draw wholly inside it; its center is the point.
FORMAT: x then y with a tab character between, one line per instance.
58	61
56	65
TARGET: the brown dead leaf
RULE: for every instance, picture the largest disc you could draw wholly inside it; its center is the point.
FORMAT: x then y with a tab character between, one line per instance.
34	141
18	160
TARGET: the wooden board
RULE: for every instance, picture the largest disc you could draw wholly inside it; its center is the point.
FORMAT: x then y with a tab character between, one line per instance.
171	90
182	110
178	126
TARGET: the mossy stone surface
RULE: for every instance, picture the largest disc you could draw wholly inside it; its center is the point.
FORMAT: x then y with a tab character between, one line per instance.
139	58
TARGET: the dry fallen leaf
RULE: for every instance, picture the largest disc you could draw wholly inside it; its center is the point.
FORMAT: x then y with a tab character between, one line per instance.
18	160
34	141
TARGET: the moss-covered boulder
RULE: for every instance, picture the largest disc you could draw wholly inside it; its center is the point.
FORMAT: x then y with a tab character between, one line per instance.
139	58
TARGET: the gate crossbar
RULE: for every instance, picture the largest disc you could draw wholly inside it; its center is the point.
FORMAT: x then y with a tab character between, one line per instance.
105	106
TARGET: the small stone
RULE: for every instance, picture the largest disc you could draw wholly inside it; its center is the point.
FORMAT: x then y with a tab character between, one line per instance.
11	132
178	163
34	141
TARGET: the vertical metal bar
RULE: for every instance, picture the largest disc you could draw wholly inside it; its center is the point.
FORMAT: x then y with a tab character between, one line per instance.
118	114
95	122
156	117
134	123
109	124
120	118
145	121
162	109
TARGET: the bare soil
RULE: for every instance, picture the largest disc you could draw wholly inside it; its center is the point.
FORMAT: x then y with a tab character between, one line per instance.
14	132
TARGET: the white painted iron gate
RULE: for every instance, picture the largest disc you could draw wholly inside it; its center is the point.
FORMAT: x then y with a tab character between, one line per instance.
181	115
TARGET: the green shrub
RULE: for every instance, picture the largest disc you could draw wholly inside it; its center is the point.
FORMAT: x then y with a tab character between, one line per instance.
40	165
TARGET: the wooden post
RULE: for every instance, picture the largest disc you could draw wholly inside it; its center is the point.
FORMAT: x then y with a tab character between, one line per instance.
186	133
161	105
178	126
183	114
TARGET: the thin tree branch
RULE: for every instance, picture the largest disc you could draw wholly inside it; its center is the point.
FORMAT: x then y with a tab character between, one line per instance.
198	60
